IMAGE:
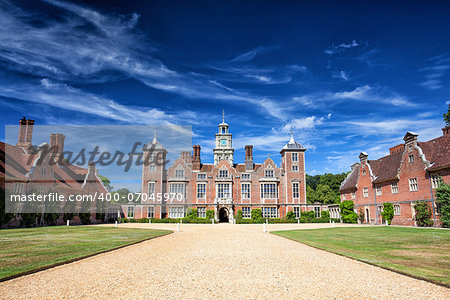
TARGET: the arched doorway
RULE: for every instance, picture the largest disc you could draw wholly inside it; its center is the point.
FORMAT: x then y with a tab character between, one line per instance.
223	215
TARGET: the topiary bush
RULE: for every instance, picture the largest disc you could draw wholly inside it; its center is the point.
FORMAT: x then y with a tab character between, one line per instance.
347	213
209	214
443	201
388	212
290	215
423	214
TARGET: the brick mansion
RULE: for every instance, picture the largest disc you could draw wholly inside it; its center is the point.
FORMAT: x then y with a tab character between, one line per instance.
225	186
410	173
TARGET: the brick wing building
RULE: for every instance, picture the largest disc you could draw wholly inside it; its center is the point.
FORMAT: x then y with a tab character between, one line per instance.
25	168
224	186
410	173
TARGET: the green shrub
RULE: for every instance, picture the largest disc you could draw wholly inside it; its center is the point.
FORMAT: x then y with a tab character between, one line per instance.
256	214
290	215
388	212
347	213
85	218
209	214
443	201
192	213
423	214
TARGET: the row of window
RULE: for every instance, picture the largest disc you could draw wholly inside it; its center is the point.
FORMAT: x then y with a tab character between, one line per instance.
268	190
436	181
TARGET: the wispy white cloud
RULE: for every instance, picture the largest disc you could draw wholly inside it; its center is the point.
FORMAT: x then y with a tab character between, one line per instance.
247	56
434	74
87	46
333	49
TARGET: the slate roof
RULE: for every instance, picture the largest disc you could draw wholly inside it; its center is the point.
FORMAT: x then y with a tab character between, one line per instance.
351	180
386	168
437	152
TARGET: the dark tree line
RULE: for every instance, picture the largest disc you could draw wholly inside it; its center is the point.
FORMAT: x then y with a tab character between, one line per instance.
324	188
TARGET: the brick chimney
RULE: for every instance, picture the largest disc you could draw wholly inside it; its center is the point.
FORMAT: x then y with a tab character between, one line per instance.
57	144
249	157
396	149
410	139
446	130
363	157
196	161
25	132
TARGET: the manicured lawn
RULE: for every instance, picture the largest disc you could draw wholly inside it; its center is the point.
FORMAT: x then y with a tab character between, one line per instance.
23	250
421	252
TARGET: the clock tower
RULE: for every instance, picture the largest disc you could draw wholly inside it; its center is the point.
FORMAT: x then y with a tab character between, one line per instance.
224	148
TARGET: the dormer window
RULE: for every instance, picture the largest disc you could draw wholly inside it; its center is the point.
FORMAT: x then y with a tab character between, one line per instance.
179	173
268	173
245	176
201	176
223	173
364	172
411	158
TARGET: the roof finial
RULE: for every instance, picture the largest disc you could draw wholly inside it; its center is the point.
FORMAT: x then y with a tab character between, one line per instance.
291	141
223	115
292	133
155	133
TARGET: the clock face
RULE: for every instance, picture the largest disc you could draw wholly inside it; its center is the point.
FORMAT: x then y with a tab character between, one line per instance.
223	142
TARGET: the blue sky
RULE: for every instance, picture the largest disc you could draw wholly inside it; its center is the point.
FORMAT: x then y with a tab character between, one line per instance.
347	76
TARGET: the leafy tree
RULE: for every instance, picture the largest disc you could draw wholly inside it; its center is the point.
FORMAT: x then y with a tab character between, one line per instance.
423	214
239	215
388	212
311	196
443	199
192	213
106	182
447	116
324	194
123	195
347	213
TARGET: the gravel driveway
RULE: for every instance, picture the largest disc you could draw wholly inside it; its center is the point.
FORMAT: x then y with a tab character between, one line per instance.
219	261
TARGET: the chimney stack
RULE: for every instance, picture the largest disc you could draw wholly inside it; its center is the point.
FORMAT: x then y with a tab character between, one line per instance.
25	132
57	144
249	157
410	139
196	157
446	130
363	157
396	149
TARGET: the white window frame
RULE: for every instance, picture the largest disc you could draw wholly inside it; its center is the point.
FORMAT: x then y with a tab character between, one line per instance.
397	210
151	190
297	212
269	212
295	190
150	212
436	181
18	189
366	192
294	168
268	173
223	190
130	212
353	195
317	212
379	190
178	188
294	156
245	176
223	174
413	185
176	212
411	158
179	173
394	188
269	191
201	212
201	176
246	190
201	190
152	167
246	212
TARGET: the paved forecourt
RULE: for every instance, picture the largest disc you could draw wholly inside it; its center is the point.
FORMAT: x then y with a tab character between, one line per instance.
219	261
